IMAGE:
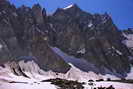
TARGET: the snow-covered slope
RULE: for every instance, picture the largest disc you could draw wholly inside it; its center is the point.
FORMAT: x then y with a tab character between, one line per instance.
20	82
8	80
34	83
129	41
130	74
81	69
78	62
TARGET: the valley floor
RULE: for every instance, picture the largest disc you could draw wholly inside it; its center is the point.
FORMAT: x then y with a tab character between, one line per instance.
46	85
15	82
116	85
24	83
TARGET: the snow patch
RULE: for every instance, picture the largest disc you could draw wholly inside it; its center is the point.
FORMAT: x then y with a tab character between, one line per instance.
90	24
68	7
129	41
130	75
118	52
82	51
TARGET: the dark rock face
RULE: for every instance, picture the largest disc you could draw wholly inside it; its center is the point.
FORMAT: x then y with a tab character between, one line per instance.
92	37
22	35
65	84
30	32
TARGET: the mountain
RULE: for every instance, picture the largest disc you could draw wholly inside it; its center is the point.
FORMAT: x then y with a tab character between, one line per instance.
69	41
22	35
94	38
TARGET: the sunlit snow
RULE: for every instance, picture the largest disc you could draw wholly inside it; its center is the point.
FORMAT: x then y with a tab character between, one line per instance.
68	7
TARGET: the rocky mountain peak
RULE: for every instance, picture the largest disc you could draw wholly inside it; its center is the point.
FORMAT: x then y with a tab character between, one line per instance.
85	35
71	10
24	8
38	13
91	37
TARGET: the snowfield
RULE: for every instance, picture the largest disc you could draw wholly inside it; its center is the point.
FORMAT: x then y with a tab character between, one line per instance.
116	85
20	82
46	85
26	83
10	81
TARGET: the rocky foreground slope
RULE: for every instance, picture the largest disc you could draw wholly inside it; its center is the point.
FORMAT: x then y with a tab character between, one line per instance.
69	44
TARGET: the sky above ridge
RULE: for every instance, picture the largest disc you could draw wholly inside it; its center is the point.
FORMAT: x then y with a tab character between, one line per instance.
121	11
